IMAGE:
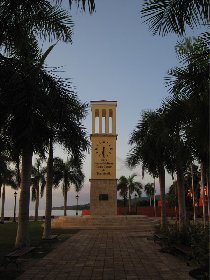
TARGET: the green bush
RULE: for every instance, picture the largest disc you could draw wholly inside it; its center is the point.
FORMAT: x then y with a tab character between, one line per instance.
200	245
195	236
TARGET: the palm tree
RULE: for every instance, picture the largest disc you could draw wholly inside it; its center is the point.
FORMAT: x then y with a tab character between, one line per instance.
192	182
138	190
171	195
65	127
189	85
38	177
122	188
149	190
37	19
130	185
179	155
166	16
66	174
22	98
149	141
7	178
38	97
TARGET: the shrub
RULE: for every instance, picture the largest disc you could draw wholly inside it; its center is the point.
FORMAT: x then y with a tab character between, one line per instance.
195	236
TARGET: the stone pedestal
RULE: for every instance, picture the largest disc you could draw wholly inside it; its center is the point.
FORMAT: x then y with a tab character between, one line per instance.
103	197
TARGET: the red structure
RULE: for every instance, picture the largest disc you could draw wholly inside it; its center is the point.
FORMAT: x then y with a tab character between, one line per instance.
146	210
199	201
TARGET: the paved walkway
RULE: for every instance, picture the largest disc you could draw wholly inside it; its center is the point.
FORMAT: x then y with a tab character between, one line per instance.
108	255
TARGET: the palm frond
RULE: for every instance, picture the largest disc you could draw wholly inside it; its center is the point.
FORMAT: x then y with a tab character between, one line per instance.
90	4
172	16
20	20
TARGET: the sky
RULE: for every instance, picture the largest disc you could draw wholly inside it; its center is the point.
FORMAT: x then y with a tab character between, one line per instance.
114	56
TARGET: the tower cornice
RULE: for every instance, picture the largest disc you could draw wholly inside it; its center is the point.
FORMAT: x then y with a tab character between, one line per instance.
103	102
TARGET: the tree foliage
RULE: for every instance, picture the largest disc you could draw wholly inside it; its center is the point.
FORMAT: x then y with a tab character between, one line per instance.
126	186
173	16
68	173
83	3
23	22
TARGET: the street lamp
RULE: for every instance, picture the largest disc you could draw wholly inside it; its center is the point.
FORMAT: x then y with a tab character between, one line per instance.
154	199
77	197
14	219
136	202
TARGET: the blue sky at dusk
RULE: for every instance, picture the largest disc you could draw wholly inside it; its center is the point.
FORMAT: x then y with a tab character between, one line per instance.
114	56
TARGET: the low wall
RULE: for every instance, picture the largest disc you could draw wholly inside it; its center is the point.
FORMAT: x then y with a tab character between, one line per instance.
146	210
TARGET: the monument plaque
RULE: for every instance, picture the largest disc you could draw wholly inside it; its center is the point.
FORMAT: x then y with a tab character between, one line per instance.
103	196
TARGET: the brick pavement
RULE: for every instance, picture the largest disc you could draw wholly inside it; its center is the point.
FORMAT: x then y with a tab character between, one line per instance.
107	255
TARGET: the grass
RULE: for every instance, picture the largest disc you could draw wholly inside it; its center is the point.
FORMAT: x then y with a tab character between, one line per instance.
42	247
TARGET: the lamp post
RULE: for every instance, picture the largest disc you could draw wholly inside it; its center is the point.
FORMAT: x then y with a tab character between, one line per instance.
14	219
136	202
154	199
77	197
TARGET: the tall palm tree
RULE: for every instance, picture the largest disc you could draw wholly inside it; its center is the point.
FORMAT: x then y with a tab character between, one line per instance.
171	195
149	190
65	127
3	160
192	178
24	100
67	174
36	103
190	85
179	155
166	16
130	185
37	178
7	178
149	141
122	188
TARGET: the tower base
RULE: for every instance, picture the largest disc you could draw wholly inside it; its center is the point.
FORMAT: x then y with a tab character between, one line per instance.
103	197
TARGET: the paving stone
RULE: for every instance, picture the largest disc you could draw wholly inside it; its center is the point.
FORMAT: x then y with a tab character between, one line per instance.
107	255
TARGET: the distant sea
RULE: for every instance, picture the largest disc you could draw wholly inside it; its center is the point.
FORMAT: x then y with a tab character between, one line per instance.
9	213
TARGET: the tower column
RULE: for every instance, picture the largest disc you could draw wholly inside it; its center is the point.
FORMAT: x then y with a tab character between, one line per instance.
107	121
100	120
114	122
93	120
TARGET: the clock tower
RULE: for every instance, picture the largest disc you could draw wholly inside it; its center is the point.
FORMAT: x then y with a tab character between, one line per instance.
103	189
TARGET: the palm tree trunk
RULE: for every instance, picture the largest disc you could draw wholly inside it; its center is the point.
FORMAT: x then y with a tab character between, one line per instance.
202	193
162	197
175	207
150	200
208	195
124	201
65	200
37	204
49	184
22	237
129	201
2	204
181	196
193	194
154	202
18	175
